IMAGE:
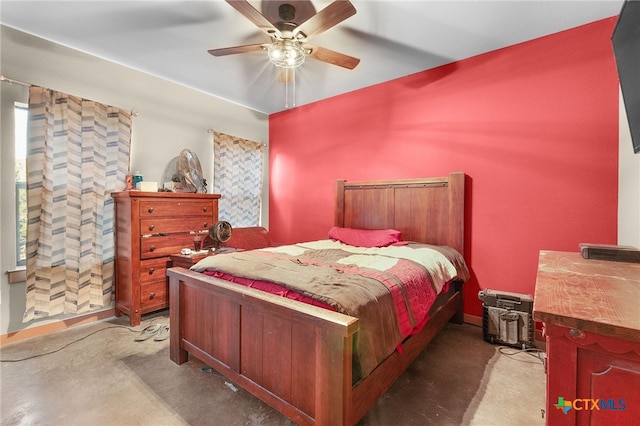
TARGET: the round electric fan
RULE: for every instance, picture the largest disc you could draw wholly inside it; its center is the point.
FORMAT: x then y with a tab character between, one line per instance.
190	172
220	232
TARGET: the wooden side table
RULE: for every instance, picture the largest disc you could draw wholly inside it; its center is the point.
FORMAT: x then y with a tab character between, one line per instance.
188	260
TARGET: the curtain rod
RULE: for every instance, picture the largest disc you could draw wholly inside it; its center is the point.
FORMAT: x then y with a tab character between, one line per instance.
11	80
134	113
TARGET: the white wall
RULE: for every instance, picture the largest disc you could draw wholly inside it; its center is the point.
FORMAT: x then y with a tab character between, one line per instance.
628	186
171	118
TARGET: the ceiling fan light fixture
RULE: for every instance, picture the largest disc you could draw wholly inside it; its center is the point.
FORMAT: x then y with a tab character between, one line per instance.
286	54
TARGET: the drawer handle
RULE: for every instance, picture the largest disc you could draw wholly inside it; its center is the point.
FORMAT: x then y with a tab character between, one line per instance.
205	225
204	209
150	210
151	271
152	295
152	248
152	227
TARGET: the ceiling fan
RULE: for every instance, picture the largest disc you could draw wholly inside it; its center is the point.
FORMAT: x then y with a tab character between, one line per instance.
288	47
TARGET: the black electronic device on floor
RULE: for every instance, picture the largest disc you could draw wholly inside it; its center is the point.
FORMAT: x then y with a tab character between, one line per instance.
507	318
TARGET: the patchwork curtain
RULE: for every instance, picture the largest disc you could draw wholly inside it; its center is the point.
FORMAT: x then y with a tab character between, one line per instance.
77	154
238	178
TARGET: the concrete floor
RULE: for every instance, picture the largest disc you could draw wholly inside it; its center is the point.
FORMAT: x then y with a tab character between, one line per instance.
105	378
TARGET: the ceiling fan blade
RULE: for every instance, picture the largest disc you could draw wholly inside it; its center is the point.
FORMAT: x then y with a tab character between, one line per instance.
247	48
328	17
252	14
332	57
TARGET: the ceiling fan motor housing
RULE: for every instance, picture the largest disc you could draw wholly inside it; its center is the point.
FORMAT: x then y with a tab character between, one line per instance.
287	12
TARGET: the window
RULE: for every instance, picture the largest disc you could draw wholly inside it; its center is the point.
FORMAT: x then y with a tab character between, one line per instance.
237	170
21	113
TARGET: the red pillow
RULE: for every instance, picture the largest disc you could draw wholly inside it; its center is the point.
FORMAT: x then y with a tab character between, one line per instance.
365	237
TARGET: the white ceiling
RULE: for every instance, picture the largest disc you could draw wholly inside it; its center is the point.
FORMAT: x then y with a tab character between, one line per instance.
392	38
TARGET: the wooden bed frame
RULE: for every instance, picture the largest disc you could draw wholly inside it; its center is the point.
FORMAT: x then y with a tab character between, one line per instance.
298	358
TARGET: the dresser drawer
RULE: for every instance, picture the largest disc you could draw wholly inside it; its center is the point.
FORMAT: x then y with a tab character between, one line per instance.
154	294
164	245
171	226
153	269
151	208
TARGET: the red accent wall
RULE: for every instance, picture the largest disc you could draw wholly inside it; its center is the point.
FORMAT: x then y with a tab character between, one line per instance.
534	126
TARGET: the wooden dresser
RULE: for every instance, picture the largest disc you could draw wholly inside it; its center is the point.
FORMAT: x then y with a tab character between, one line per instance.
590	310
151	226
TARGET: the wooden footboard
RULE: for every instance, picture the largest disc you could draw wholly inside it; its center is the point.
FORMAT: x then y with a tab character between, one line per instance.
295	357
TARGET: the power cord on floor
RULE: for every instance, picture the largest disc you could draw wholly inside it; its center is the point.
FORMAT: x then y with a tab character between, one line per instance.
71	343
534	352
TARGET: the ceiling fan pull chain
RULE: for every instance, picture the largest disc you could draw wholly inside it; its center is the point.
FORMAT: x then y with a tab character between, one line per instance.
288	82
286	87
293	86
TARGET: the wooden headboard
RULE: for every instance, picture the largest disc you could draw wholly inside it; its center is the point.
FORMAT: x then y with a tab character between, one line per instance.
428	210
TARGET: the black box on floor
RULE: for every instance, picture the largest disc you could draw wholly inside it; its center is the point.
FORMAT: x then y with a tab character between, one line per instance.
507	318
